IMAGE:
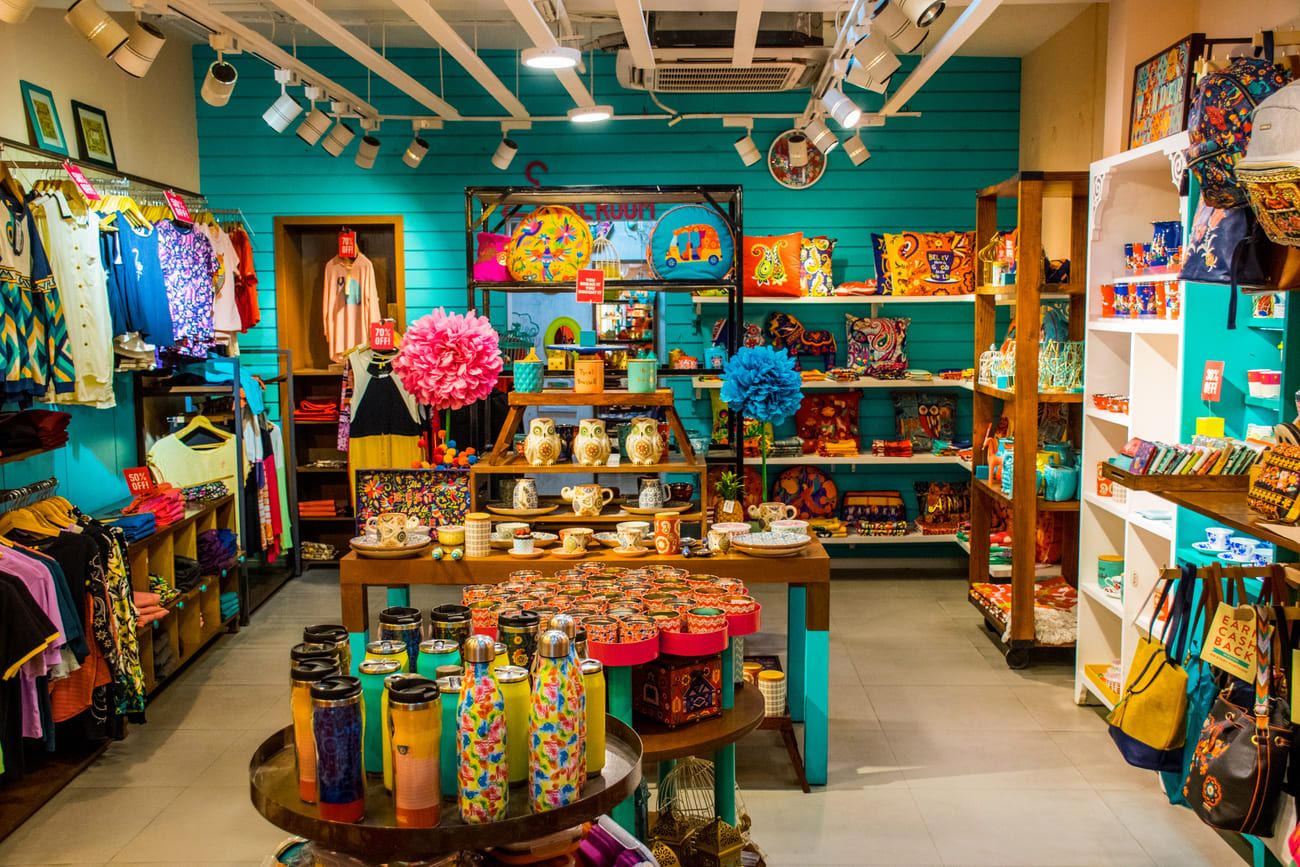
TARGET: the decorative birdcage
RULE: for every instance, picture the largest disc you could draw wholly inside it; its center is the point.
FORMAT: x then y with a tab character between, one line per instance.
686	794
997	368
520	338
1060	366
604	256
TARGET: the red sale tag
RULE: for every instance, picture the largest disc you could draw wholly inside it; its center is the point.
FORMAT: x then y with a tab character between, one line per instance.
383	335
591	285
1212	382
180	210
348	244
84	186
138	480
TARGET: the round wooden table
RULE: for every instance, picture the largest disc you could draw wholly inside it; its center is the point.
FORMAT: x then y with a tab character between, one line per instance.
661	743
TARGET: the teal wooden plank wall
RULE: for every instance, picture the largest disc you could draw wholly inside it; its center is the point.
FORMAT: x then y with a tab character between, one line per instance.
923	175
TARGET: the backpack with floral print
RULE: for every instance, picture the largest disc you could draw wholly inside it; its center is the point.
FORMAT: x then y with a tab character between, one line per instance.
1219	125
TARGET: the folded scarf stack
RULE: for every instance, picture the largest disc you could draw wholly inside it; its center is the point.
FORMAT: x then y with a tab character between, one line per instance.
229	605
316	411
33	429
165	501
136	527
148	607
322	508
217	550
205	493
188	575
167	594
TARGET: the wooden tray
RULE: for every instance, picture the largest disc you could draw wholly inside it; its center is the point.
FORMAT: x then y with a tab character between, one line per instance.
1158	483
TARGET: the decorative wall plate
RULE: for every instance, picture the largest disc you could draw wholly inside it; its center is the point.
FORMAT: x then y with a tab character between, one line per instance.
784	172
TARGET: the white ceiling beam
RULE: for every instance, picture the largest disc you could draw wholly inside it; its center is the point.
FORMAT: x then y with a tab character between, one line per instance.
962	29
539	32
747	17
632	18
343	39
255	42
445	35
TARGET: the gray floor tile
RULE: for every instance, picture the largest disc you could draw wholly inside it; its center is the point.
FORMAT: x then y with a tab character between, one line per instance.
983	759
1172	836
156	757
84	826
198	825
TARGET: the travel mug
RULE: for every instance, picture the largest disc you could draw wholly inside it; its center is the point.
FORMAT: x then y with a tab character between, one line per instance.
331	635
450	622
518	631
395	650
449	688
301	677
415	726
513	681
404	625
372	673
336	730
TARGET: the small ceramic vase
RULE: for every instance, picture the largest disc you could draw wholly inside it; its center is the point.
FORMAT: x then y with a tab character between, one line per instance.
524	495
668	534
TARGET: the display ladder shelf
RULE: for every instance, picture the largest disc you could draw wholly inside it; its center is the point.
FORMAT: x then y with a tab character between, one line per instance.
1028	189
912	537
1141	358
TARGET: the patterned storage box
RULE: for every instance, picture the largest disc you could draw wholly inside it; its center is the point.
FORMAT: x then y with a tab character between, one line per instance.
676	690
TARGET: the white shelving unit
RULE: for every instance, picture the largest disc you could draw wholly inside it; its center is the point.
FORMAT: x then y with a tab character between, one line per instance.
1143	359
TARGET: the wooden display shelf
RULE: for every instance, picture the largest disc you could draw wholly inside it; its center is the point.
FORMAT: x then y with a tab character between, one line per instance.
1053	184
714	383
513	464
1043	505
1043	396
1164	482
1230	509
24	455
663	743
1095	675
564	515
609	397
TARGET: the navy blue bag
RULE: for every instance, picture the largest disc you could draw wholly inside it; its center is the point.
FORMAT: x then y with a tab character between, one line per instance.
1225	248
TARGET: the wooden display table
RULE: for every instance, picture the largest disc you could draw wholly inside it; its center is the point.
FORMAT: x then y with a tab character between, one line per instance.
661	743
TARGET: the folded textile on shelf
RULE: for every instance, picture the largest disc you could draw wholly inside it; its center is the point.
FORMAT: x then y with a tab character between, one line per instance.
891	448
319	551
31	429
316	411
838	448
229	605
218	550
136	527
167	594
188	575
164	501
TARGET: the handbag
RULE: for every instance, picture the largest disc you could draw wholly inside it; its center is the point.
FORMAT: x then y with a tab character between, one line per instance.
1149	722
1234	781
1275	488
1226	246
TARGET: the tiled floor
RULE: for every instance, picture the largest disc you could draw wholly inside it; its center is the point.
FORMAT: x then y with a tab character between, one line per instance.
939	754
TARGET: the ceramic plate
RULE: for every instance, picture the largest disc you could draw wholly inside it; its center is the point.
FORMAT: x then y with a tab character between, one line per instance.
375	552
766	552
567	555
771	539
531	555
638	551
542	540
1237	561
609	540
632	508
522	513
1207	548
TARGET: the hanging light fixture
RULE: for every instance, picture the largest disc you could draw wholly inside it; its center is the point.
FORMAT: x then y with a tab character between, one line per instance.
857	151
282	111
873	63
340	136
505	153
820	135
591	113
313	126
902	33
137	54
922	13
102	31
219	83
553	57
748	151
797	149
415	151
15	11
843	109
367	151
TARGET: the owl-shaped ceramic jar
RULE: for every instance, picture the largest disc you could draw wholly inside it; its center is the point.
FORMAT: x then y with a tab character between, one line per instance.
644	444
591	445
542	445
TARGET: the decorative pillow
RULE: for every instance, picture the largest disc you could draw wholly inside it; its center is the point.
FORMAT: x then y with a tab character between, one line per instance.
490	262
878	252
751	334
860	507
809	490
815	265
931	263
771	264
827	417
941	506
877	347
924	417
691	242
550	245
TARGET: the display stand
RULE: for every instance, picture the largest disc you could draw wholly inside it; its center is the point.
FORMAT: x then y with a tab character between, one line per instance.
1022	403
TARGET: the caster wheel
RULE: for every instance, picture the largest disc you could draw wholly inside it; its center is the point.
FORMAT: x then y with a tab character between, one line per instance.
1018	658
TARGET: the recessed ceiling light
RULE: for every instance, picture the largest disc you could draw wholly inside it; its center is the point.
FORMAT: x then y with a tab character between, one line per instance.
554	57
591	113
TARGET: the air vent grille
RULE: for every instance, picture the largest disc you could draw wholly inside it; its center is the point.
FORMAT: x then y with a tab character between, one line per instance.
723	77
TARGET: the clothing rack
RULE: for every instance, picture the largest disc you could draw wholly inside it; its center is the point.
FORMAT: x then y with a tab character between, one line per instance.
21	497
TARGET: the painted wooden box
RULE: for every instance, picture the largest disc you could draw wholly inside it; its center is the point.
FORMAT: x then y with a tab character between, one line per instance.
676	690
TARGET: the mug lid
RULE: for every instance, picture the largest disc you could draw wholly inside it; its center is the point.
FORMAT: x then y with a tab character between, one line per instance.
411	689
449	684
438	645
449	613
521	620
322	631
386	648
448	671
309	650
592	666
381	667
336	687
510	673
313	670
400	614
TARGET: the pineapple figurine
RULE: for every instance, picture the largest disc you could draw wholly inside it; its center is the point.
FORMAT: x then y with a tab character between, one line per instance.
729	505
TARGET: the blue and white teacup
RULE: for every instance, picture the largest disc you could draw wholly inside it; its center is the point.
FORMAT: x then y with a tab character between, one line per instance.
1242	547
1217	537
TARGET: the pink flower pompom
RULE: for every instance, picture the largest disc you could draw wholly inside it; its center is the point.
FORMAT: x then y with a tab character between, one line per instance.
449	360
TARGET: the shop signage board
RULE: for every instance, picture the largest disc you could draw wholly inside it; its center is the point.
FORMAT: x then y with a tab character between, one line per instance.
348	244
1212	382
138	480
383	335
179	209
84	186
590	285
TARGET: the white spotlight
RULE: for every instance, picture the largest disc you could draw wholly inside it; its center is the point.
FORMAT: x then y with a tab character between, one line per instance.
821	136
282	111
873	63
556	57
505	153
367	151
415	152
843	109
797	147
219	84
313	126
856	150
15	11
748	150
140	50
340	136
591	113
897	28
90	20
922	13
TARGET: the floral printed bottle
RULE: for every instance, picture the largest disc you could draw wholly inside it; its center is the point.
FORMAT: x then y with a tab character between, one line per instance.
483	778
555	754
569	626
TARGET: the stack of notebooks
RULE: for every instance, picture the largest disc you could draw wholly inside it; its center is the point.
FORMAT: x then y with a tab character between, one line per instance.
1205	456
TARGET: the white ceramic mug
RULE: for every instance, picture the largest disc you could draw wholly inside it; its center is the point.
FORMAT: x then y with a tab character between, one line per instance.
1218	537
505	531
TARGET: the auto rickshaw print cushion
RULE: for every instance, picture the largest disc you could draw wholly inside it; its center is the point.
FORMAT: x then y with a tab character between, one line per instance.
549	246
691	242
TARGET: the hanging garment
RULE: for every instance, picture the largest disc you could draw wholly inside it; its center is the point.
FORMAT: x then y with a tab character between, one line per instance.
226	322
183	466
351	303
245	279
384	426
280	494
137	295
188	264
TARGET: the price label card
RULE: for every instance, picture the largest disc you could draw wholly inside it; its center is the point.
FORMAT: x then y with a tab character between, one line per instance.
591	285
1212	382
138	480
84	186
383	335
348	244
180	210
1230	642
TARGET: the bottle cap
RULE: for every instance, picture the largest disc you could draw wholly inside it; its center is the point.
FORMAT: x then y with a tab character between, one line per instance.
499	648
479	648
400	614
449	685
337	687
386	648
308	650
553	644
518	620
380	667
411	689
592	666
309	670
449	671
566	624
510	673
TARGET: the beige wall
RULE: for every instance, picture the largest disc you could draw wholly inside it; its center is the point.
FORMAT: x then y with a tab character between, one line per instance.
151	119
1061	87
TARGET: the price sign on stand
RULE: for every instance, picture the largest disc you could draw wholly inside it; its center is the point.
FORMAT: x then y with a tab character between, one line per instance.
84	186
348	244
1212	382
591	285
383	335
180	210
138	480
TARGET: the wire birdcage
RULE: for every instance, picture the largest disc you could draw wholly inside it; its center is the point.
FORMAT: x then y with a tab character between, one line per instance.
520	338
686	793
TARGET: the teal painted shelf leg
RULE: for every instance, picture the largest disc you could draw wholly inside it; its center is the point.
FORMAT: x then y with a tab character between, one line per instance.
729	675
665	768
724	760
357	643
796	648
619	680
816	705
399	597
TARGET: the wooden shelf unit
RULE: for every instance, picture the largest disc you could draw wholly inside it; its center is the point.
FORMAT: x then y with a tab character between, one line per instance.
1028	189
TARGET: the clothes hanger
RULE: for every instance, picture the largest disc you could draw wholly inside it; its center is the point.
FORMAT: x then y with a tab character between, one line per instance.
201	423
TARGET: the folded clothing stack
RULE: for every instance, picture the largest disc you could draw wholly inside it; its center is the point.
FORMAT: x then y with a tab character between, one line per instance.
205	493
837	448
165	501
229	605
786	447
187	572
166	593
322	508
319	551
218	550
309	410
33	429
164	661
136	526
148	608
891	448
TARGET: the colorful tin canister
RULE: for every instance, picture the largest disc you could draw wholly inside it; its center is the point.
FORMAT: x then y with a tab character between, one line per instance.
336	729
301	678
518	631
451	622
484	778
331	635
706	619
643	374
636	628
513	681
603	630
593	691
589	375
434	654
554	745
372	673
449	688
404	625
415	726
472	593
483	616
390	650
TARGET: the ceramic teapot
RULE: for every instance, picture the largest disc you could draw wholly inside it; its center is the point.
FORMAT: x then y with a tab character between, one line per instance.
542	445
587	499
653	493
591	446
644	444
766	513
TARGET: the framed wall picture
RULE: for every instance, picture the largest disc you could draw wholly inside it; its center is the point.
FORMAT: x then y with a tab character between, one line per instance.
93	137
43	117
1162	91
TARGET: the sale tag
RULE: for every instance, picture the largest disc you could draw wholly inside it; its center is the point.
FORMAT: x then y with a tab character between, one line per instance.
591	285
138	480
348	244
84	186
383	335
1212	381
1230	642
180	210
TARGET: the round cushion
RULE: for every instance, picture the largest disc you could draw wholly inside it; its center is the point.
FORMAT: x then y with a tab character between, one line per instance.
691	242
550	246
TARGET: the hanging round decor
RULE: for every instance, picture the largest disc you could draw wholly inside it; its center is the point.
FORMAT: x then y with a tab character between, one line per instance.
794	161
550	246
691	242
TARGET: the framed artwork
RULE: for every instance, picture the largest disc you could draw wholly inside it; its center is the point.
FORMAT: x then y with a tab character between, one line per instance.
1162	91
43	117
433	496
93	138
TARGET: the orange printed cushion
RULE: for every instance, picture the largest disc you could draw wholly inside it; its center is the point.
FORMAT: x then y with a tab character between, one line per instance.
771	264
931	263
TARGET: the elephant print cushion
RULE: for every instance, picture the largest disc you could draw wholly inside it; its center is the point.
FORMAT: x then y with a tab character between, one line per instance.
815	266
931	263
827	417
549	246
877	346
771	264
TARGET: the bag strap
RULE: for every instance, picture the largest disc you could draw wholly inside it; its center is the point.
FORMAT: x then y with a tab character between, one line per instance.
1263	665
1268	45
1181	612
1155	611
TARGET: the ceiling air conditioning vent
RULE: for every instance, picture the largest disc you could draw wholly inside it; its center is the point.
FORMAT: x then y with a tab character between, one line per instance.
703	70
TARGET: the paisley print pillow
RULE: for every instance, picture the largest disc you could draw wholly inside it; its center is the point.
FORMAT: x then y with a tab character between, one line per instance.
877	347
771	264
815	265
883	284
